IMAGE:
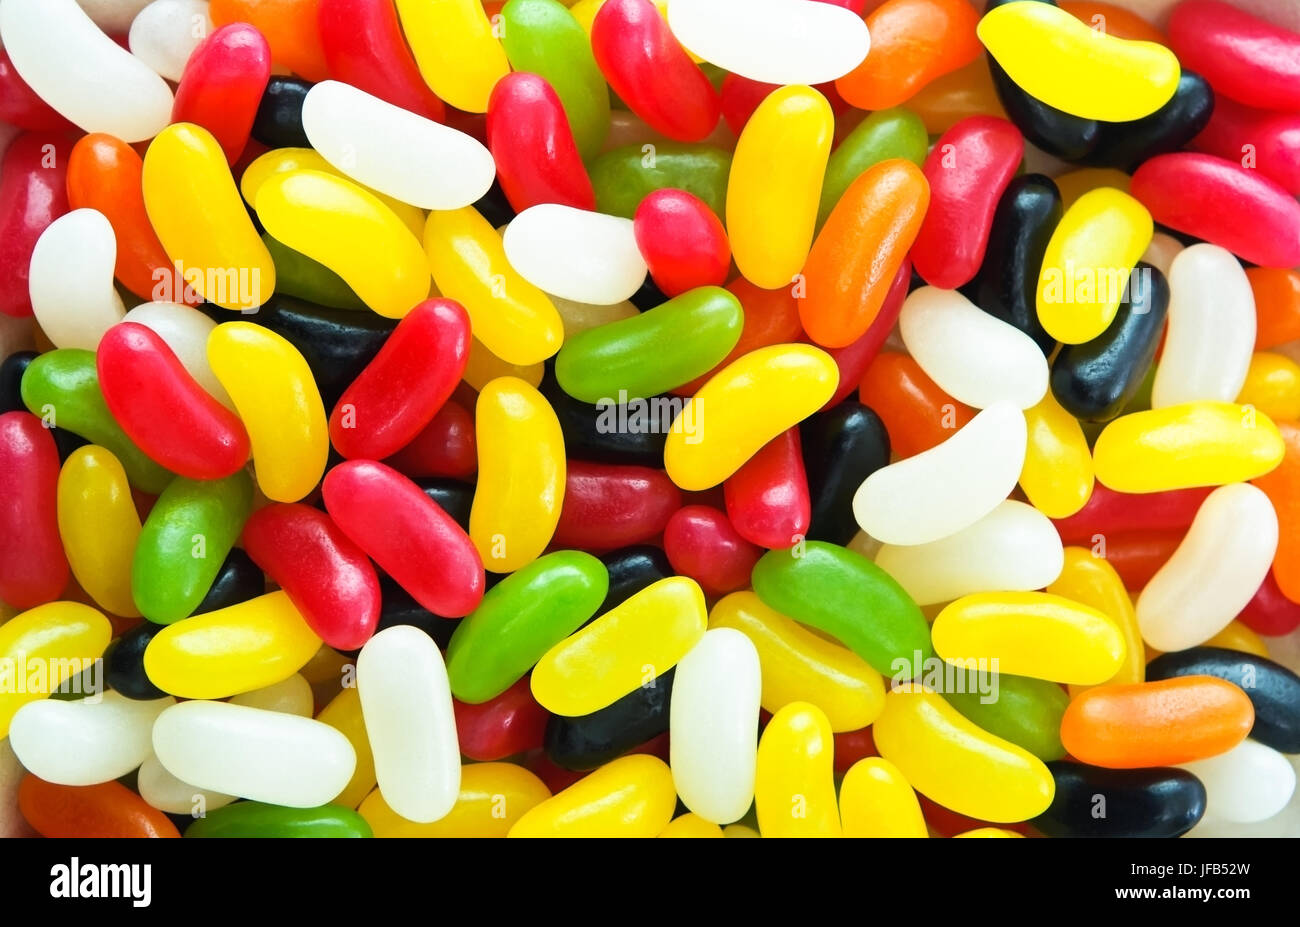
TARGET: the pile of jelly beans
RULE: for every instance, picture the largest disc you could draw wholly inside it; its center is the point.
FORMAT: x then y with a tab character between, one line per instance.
684	418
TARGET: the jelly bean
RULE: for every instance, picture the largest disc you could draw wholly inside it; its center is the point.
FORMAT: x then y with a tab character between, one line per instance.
972	355
534	149
238	580
774	191
165	33
1244	57
1126	145
877	801
748	403
632	569
1138	802
607	505
1179	447
770	317
511	316
452	496
847	596
1108	512
33	193
222	85
278	123
63	388
1272	385
917	414
444	447
794	793
1098	379
929	741
958	95
507	725
112	734
578	317
1058	472
300	276
109	809
1223	203
1096	75
799	665
45	645
33	566
1074	184
913	43
1270	612
844	283
683	243
1250	782
82	73
626	647
1156	723
841	448
420	545
21	107
883	135
949	487
161	790
1092	581
492	798
71	280
264	756
1161	252
257	819
1211	329
1023	711
1280	488
363	46
630	797
691	825
344	714
289	26
99	527
702	544
590	741
456	49
575	254
1268	139
625	176
767	499
292	696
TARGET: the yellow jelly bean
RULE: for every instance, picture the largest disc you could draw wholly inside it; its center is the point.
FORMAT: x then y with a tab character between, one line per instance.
794	785
631	797
236	649
1031	634
1236	636
799	665
43	646
1272	386
950	760
739	830
1086	72
493	797
1203	443
775	184
629	646
276	396
742	407
343	713
995	832
287	160
514	319
483	367
198	216
876	801
691	825
1085	270
520	475
1090	580
1075	184
337	223
1057	476
99	526
459	56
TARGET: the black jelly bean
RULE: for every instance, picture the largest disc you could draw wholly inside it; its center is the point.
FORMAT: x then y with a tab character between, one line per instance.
632	569
453	497
495	207
633	433
11	380
1125	145
238	580
648	296
1095	802
124	663
842	446
278	123
589	741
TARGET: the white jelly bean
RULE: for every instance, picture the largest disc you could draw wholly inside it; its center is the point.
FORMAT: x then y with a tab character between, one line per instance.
713	725
185	330
77	69
291	696
974	357
406	704
1214	572
71	280
161	790
166	33
1211	333
1161	252
949	487
250	753
1015	547
774	41
587	257
85	742
395	151
1249	783
113	16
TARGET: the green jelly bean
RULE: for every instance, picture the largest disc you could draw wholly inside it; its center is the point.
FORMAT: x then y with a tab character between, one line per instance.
1027	712
889	133
300	276
652	352
62	387
542	37
520	618
622	178
257	819
188	534
838	591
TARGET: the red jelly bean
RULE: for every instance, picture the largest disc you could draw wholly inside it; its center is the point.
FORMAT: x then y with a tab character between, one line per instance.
407	534
1137	555
364	46
851	746
1264	140
1108	512
109	809
404	386
21	107
968	170
701	543
326	576
1269	611
446	446
767	498
610	505
163	409
682	240
1223	203
33	569
532	142
507	725
852	360
223	84
33	193
740	96
651	72
1242	56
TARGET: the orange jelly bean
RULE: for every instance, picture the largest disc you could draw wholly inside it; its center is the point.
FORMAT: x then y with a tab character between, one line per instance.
917	413
109	809
1156	723
289	26
944	102
1282	486
1277	305
1113	20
